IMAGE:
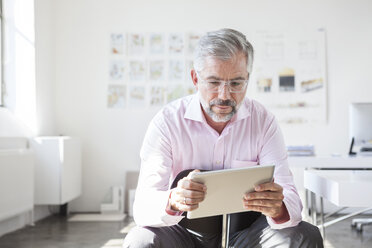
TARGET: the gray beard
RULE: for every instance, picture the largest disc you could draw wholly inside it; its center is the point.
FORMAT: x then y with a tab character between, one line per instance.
215	117
218	118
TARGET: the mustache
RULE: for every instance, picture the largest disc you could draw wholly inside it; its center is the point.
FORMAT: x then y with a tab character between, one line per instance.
227	102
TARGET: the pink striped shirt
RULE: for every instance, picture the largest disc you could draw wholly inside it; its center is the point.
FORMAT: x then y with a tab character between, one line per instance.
179	138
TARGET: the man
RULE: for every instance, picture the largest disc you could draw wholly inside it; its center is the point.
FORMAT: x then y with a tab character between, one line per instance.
217	128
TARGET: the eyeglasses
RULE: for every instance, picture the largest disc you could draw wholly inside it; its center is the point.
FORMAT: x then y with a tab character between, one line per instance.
214	86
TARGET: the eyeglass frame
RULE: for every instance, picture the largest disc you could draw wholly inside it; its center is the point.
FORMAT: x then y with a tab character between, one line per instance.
223	83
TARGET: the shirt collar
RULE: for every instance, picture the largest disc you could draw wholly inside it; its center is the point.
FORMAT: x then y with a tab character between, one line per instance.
194	111
243	112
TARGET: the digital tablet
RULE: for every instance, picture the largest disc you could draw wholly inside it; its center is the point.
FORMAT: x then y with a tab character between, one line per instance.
225	189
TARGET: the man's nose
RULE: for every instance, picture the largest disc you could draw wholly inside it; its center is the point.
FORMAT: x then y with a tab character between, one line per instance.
224	92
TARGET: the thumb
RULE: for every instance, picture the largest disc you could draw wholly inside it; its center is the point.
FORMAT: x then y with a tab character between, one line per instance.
191	173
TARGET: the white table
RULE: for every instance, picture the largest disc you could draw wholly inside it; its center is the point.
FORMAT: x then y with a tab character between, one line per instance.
344	188
299	164
329	162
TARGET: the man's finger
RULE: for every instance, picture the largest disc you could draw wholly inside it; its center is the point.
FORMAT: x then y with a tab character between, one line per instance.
192	194
189	176
190	201
186	208
191	185
271	186
264	195
192	172
264	203
271	212
186	183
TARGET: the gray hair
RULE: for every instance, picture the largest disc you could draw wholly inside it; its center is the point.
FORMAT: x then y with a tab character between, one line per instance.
222	44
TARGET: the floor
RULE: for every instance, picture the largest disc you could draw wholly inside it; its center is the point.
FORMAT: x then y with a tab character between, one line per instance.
56	232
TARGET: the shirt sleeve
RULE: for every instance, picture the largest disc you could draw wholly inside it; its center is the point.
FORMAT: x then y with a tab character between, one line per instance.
169	209
152	194
273	152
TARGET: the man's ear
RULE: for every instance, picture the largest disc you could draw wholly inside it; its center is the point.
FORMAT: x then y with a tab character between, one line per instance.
194	78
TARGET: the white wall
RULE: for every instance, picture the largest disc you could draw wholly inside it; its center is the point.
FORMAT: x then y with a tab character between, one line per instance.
45	66
112	138
11	126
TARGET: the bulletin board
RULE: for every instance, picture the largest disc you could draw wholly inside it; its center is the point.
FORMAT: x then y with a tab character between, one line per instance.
289	74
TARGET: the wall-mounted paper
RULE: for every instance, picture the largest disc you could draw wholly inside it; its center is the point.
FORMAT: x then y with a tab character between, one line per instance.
118	44
116	96
174	92
176	70
156	43
192	40
176	43
117	70
137	70
136	44
137	96
157	95
157	70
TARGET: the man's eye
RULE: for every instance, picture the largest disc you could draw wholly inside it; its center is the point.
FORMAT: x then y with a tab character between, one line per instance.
236	84
214	83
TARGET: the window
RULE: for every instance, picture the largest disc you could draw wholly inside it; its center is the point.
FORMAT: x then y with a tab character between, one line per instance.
18	77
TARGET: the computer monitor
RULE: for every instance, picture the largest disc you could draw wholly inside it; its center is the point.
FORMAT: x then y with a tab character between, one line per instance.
360	121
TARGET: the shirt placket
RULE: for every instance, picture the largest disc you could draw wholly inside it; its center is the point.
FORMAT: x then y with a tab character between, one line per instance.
219	151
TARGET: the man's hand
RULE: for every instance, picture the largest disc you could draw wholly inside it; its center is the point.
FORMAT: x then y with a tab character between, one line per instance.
267	199
188	194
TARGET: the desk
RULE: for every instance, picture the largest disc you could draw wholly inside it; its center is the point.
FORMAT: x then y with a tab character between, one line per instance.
328	162
299	164
344	188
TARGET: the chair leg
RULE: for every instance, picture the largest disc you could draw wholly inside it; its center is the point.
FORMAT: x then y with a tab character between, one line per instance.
359	223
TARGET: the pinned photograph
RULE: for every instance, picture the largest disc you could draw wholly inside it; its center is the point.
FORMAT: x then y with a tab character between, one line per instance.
156	43
192	40
137	70
117	43
157	68
287	80
137	96
176	70
116	96
117	69
264	84
136	44
311	85
176	43
157	95
174	92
